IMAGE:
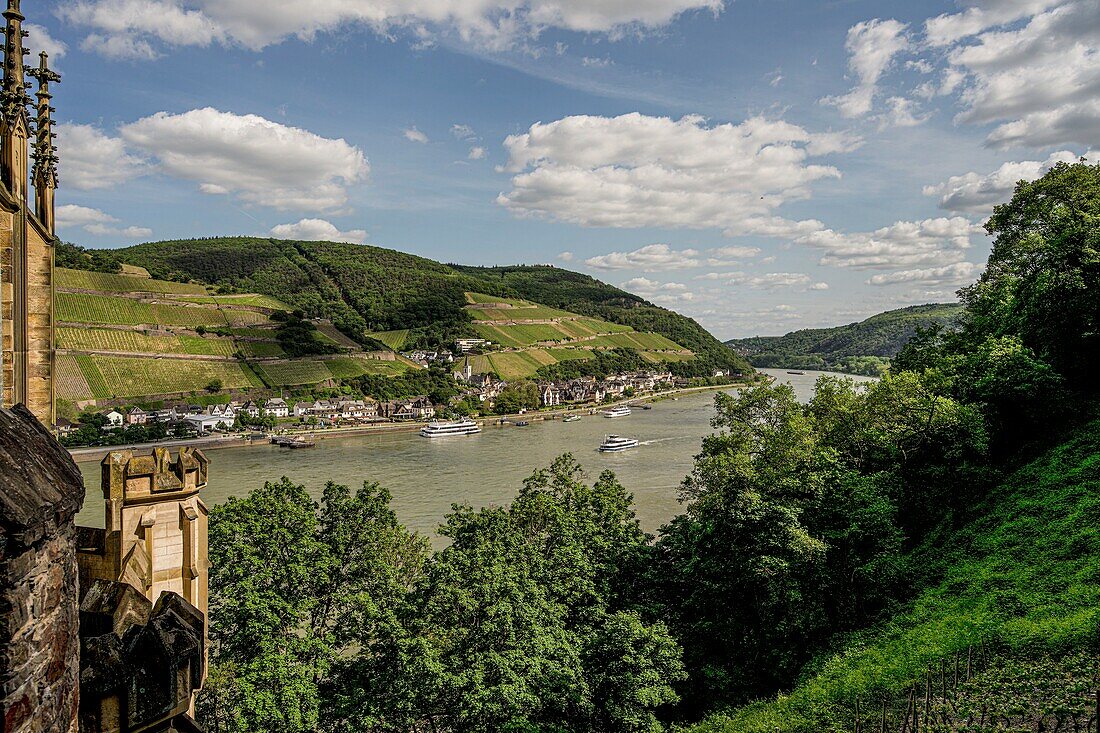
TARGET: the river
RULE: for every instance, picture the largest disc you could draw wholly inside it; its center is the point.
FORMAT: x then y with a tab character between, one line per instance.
427	476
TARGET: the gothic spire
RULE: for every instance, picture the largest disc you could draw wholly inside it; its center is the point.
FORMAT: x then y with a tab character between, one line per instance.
14	94
45	154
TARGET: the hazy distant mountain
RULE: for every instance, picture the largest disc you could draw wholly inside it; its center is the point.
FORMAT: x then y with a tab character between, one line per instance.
861	348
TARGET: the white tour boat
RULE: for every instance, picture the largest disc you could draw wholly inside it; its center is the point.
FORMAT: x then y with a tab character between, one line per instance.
443	429
620	411
616	443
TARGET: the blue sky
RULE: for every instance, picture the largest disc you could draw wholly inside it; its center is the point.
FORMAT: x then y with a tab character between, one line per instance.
761	165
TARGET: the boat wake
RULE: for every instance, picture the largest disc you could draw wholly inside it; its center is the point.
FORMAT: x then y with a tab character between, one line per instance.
655	441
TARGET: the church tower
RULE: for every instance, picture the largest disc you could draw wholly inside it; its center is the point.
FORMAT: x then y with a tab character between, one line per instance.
26	230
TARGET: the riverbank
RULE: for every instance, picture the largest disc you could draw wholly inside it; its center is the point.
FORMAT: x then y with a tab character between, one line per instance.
216	442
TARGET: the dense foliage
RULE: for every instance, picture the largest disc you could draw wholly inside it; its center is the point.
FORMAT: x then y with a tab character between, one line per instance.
330	616
75	257
298	336
435	382
858	348
828	552
366	289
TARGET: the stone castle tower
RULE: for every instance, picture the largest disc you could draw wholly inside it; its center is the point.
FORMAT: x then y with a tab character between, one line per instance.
26	229
155	538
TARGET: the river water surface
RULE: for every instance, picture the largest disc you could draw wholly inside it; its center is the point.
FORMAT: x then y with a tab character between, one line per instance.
426	476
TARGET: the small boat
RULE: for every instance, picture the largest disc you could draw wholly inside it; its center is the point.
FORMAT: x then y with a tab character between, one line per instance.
522	424
571	418
617	443
620	411
647	407
797	373
444	429
284	442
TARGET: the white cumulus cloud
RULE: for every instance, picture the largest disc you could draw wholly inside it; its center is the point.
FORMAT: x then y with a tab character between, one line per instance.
959	273
872	46
651	258
143	26
39	39
939	241
415	136
978	193
640	171
768	281
260	161
97	222
91	159
661	293
317	230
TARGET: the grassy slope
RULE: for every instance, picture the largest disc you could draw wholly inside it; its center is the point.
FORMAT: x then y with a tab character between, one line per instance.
379	290
1025	574
882	336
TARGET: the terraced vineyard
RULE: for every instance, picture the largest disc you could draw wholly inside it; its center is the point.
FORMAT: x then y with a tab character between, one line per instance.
66	279
109	339
86	308
537	336
260	349
292	373
146	350
393	339
250	300
137	376
69	381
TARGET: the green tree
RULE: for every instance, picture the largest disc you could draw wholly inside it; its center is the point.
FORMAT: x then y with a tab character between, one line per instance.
1043	273
298	591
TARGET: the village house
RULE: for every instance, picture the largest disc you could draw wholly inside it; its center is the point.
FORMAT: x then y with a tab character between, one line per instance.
136	416
167	415
423	409
276	407
302	409
226	412
551	395
206	423
250	409
115	419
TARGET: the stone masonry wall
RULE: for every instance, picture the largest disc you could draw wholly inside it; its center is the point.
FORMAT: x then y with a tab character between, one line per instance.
40	666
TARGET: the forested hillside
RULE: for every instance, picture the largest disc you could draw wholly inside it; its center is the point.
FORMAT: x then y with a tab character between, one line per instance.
918	553
859	348
365	289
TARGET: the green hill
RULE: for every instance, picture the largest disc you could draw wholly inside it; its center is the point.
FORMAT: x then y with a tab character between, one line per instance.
129	337
411	302
1018	587
861	348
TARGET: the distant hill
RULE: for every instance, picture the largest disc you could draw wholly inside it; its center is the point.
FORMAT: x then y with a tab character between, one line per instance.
411	302
860	348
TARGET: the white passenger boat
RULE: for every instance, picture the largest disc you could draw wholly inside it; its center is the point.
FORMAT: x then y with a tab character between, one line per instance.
620	411
444	429
616	443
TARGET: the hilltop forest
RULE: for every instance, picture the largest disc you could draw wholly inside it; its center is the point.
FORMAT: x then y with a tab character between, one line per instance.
857	348
364	289
927	545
